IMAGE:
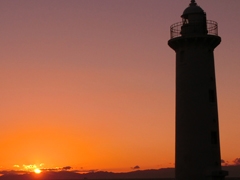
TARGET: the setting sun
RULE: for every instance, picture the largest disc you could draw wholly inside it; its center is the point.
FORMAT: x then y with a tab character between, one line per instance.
37	171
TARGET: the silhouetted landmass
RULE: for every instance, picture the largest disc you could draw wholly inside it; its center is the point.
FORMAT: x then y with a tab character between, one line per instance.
234	171
152	174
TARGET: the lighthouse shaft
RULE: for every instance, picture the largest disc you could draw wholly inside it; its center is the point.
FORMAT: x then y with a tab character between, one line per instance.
197	131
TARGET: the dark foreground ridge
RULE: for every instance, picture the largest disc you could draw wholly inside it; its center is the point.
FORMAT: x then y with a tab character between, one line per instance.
152	174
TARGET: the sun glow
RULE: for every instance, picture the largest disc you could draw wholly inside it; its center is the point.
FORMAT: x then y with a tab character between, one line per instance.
37	171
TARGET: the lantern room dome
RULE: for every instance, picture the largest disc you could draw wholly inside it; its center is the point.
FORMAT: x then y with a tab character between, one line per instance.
193	9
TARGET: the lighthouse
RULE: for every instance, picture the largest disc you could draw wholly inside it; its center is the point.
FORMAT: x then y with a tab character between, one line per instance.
197	154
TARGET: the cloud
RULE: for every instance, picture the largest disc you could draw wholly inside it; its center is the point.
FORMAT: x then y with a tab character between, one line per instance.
237	161
29	167
50	169
12	172
65	168
135	167
224	163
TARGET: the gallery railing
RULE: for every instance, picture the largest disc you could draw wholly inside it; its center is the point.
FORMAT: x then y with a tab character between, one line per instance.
176	29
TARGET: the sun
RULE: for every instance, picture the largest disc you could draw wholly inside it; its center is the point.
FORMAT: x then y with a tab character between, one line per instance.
37	171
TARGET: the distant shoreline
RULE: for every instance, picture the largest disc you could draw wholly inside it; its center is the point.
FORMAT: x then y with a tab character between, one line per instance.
151	174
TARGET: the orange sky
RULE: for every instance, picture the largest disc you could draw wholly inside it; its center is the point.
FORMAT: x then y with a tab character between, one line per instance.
91	84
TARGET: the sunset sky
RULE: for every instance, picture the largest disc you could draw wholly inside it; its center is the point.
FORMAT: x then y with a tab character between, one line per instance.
91	83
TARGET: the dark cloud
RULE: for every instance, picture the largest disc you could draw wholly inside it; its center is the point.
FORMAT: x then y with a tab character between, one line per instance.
13	172
224	163
136	167
65	168
237	161
85	170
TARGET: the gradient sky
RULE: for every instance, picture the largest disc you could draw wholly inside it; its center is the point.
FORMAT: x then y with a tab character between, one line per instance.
91	83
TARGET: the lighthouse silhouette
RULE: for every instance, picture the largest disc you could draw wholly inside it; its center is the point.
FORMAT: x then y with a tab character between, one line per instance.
197	131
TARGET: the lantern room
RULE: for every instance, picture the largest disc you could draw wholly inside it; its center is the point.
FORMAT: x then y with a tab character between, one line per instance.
194	20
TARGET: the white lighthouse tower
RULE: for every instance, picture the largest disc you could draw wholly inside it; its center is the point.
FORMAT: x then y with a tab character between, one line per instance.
197	131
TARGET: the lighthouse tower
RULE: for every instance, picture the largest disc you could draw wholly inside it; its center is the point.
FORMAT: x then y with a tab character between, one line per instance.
197	131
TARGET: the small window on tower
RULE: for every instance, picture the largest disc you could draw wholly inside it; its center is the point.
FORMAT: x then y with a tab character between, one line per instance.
185	21
212	96
214	137
212	79
182	56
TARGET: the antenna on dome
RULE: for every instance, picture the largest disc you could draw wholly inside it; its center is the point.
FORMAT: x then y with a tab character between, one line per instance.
193	3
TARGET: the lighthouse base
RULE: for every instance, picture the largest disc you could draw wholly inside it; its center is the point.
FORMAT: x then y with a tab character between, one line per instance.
217	175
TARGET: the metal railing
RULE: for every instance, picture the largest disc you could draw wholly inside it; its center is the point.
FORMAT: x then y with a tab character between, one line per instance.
175	29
